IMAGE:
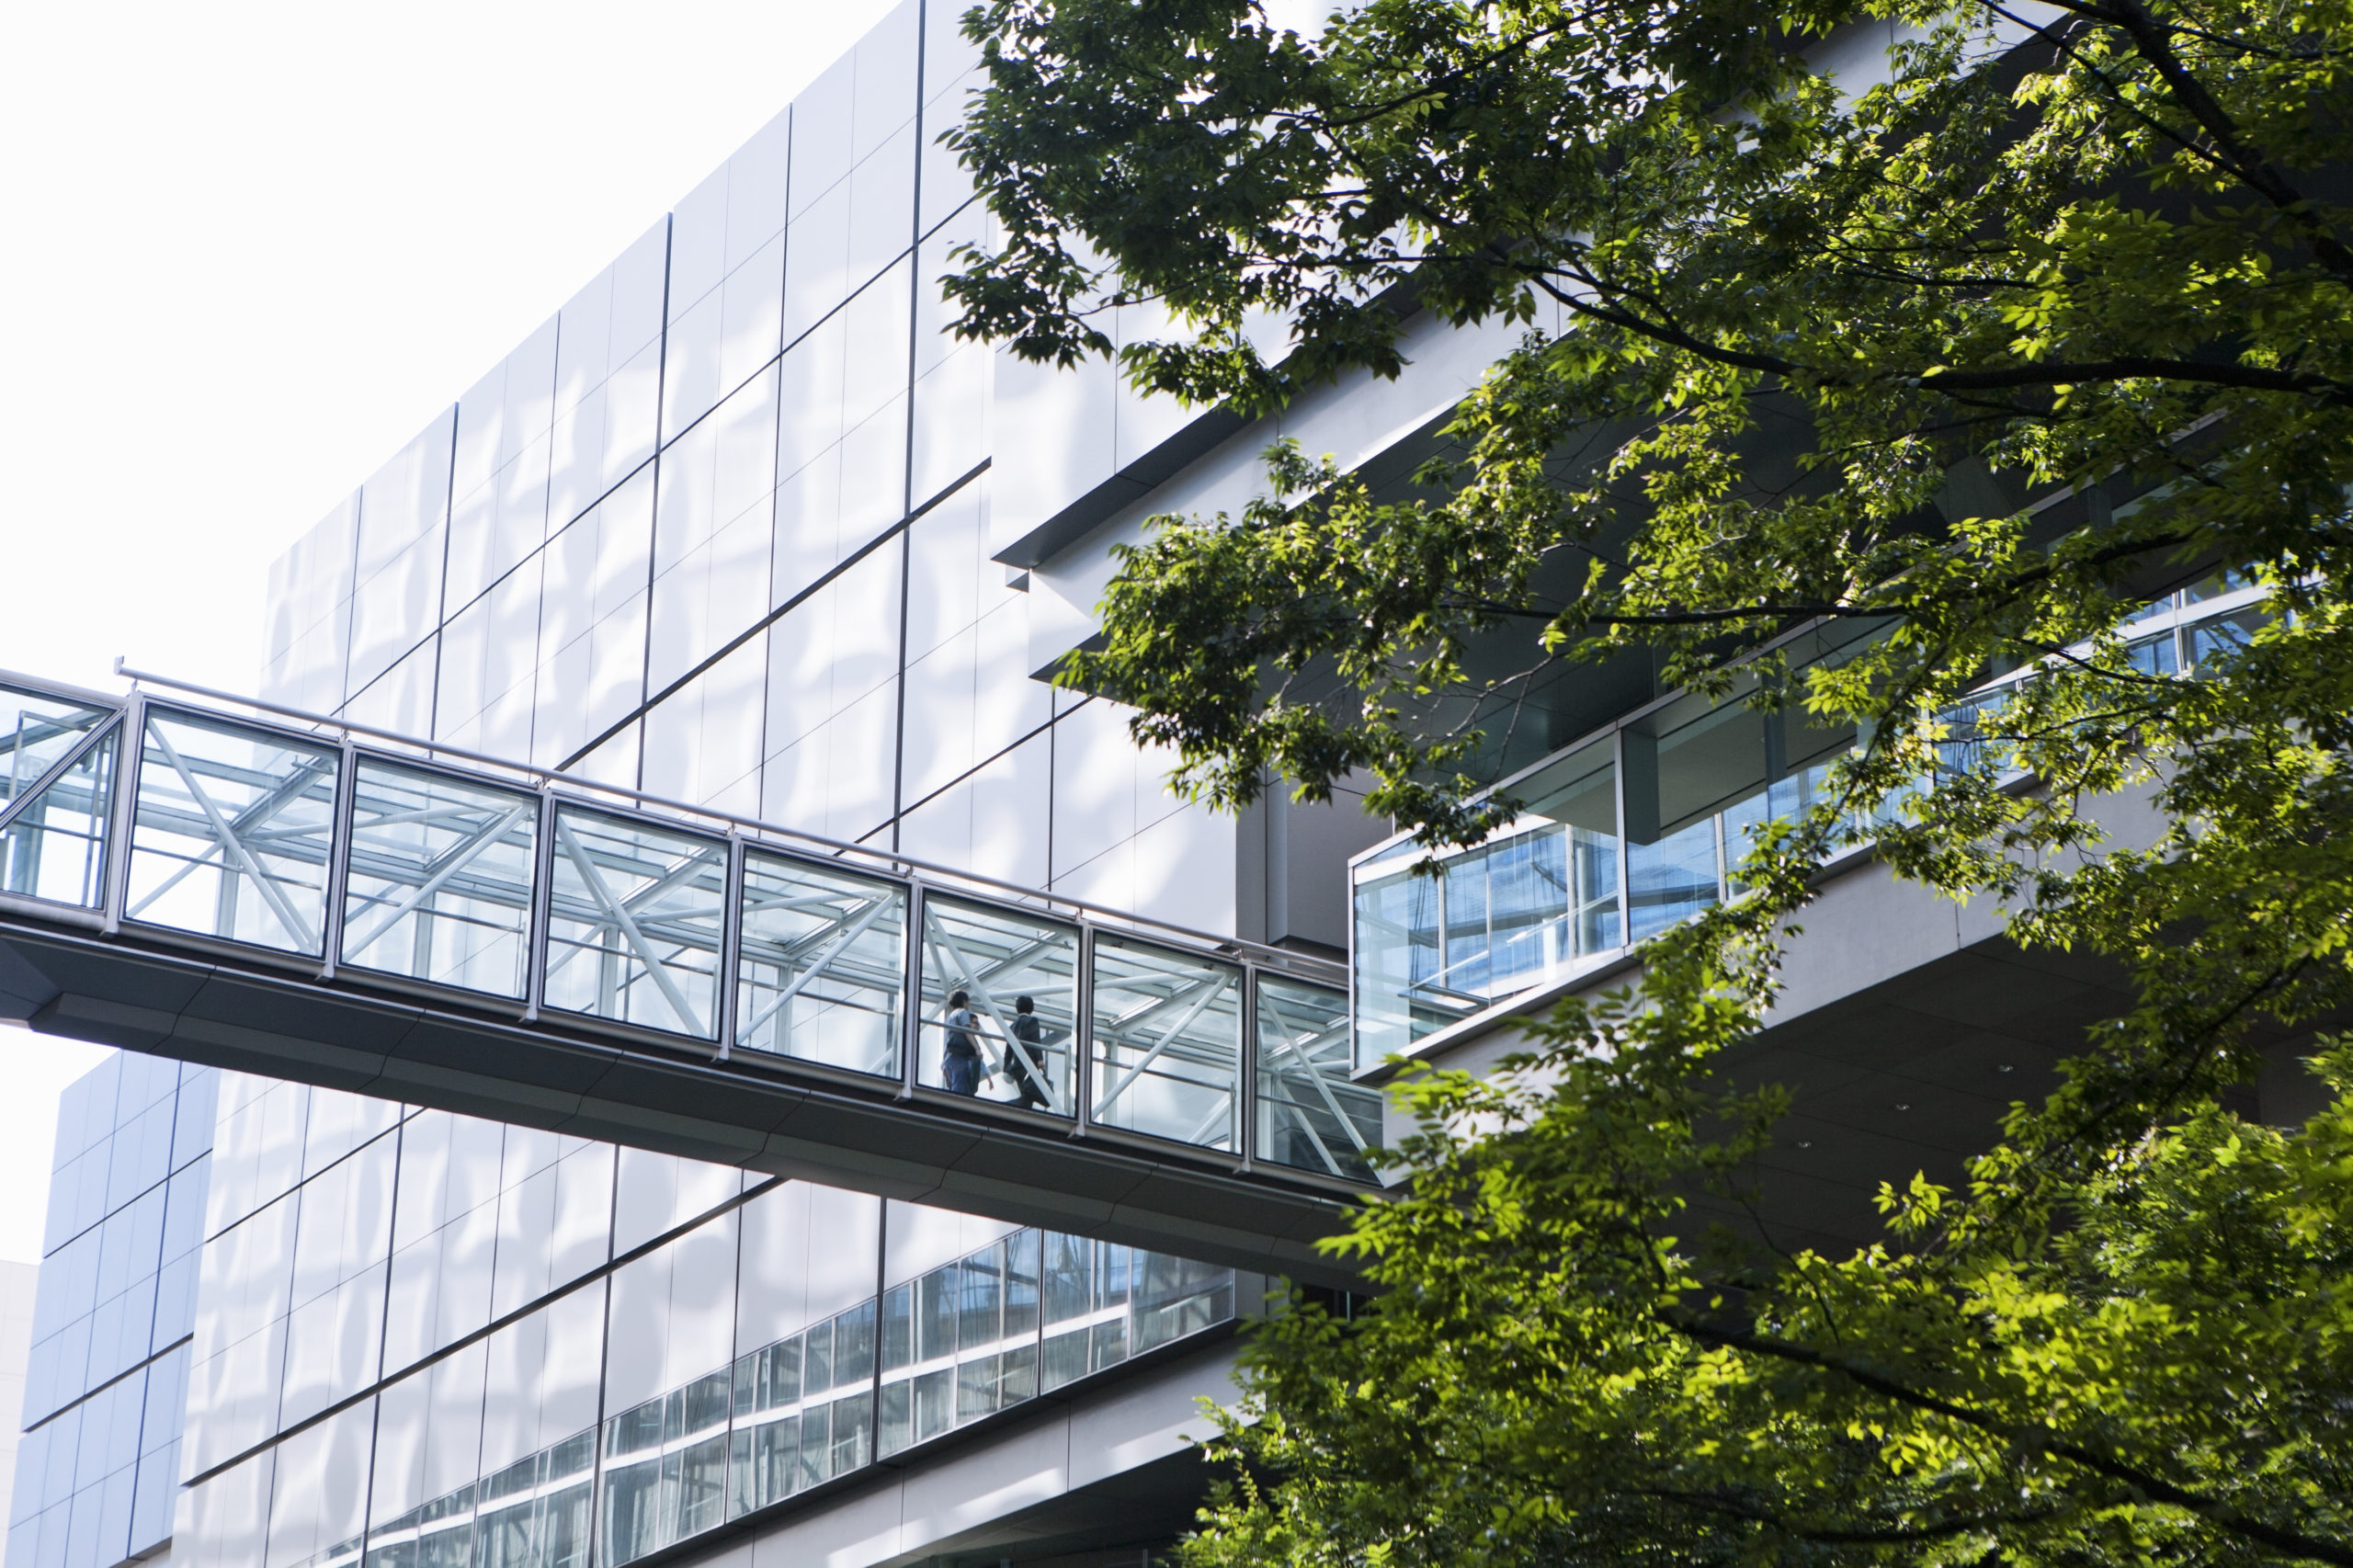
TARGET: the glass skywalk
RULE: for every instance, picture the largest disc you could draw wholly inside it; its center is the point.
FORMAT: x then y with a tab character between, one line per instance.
379	864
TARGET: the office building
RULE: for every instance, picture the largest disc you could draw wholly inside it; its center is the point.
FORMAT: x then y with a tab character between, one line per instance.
743	537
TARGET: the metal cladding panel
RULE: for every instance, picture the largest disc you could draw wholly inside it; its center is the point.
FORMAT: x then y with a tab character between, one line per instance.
445	1044
24	989
879	1127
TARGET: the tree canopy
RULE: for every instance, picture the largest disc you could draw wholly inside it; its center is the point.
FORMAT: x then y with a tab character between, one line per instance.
2026	312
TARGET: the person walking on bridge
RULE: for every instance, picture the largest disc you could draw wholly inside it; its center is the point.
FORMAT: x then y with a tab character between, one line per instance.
959	1063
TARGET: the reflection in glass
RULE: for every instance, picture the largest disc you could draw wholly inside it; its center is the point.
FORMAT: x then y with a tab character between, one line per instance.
441	879
823	965
665	1469
1580	792
804	1411
1310	1115
52	842
1167	1042
2226	635
953	1346
996	958
960	1342
1103	1304
634	921
1965	747
1396	931
2152	655
1672	877
1507	914
533	1514
1784	800
1437	944
233	832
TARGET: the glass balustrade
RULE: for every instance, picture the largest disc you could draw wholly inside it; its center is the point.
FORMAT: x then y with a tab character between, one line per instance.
636	919
1310	1115
1010	1041
38	733
1167	1042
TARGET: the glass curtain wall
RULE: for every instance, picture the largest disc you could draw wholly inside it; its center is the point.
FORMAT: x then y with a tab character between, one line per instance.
983	1334
596	1354
56	789
1436	939
97	1469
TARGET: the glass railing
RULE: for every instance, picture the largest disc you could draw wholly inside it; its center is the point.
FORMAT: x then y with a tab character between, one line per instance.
554	900
1632	830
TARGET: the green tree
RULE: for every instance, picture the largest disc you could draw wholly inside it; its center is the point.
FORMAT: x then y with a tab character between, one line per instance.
2051	311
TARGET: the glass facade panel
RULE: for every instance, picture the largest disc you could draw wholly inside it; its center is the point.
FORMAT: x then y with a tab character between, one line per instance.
1436	940
440	887
39	731
592	624
107	1376
52	844
1310	1115
823	968
233	832
804	1410
634	923
1010	1040
1167	1042
1507	914
529	1392
2225	635
401	699
1396	936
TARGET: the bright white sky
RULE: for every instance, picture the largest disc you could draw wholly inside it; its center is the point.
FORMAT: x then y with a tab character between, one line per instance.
250	248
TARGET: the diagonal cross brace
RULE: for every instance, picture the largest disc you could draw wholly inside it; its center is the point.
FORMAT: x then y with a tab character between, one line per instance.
867	917
1210	987
19	799
655	968
264	883
1020	960
1323	1089
458	860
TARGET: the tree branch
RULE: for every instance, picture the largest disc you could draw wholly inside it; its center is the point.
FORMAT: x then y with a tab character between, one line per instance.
2213	1510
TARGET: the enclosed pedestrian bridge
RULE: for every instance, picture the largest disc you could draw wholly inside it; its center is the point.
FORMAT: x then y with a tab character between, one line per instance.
229	883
